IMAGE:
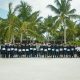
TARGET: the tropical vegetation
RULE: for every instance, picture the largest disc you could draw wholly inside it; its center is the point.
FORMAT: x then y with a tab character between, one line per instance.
22	24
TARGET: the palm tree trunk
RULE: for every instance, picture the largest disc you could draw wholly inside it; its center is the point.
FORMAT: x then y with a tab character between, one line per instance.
64	34
48	36
21	38
64	25
13	40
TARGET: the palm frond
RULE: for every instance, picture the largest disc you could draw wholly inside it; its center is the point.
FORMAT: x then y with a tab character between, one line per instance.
16	8
35	35
55	18
72	11
58	3
57	24
54	9
34	15
74	16
10	6
10	10
70	23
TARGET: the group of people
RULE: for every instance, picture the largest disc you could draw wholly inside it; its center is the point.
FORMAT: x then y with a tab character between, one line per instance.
45	50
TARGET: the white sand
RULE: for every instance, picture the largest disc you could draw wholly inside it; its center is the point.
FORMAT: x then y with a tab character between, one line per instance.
40	69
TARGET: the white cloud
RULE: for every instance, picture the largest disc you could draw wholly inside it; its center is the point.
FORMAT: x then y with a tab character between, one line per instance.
76	5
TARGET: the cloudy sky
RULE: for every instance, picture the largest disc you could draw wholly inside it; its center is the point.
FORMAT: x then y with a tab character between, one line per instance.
36	5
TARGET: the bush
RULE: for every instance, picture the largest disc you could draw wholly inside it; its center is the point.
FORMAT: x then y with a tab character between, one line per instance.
75	43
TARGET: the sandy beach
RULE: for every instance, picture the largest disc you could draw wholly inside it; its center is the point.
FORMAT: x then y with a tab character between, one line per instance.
40	69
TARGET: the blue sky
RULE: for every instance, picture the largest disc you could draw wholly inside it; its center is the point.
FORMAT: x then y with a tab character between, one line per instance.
36	5
3	13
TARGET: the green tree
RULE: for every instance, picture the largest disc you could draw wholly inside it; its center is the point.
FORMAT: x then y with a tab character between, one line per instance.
2	30
24	10
12	23
29	21
64	14
49	24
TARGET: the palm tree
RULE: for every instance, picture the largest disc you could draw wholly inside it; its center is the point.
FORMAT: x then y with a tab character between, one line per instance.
71	31
12	22
29	20
64	13
2	30
78	30
31	27
35	25
24	10
50	28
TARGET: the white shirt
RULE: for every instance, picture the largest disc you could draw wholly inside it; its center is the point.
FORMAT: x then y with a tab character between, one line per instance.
77	48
